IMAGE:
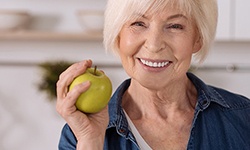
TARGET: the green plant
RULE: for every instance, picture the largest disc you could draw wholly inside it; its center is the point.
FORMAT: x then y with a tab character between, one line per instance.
51	71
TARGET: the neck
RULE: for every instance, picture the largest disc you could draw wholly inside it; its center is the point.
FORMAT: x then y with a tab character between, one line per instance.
164	102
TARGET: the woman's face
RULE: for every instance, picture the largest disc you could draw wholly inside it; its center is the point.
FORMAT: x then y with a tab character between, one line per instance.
157	49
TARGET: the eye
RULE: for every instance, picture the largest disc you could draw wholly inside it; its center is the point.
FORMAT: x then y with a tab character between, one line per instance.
140	24
176	26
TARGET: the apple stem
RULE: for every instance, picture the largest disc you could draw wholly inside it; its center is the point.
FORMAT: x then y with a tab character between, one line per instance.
95	70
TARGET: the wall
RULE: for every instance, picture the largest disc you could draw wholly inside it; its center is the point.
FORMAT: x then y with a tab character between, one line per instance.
28	120
54	15
228	66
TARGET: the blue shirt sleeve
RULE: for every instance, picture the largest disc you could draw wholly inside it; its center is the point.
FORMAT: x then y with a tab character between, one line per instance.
67	140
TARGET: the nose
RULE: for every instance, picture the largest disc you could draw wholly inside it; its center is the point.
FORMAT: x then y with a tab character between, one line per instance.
155	40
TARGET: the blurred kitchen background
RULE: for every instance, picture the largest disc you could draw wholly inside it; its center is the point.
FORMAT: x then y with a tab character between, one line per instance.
52	32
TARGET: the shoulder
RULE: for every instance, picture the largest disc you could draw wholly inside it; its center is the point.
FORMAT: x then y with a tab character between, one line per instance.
234	100
223	97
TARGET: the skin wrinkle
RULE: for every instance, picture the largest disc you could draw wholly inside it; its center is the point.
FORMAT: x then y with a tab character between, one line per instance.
172	17
159	99
163	102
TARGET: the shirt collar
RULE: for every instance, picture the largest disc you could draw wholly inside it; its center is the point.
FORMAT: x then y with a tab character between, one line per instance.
206	95
117	117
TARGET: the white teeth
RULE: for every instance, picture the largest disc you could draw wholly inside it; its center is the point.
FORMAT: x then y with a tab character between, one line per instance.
154	64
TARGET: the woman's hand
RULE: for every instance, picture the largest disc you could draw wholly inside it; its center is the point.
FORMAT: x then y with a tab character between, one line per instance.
89	129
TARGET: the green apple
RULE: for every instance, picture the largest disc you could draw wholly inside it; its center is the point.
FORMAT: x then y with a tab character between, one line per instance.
98	95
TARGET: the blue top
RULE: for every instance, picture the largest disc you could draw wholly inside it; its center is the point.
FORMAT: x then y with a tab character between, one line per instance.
221	122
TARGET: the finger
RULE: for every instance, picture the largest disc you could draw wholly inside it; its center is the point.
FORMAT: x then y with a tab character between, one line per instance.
76	92
67	106
80	67
75	70
68	76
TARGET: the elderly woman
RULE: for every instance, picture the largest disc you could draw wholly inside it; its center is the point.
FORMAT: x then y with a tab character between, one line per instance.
161	106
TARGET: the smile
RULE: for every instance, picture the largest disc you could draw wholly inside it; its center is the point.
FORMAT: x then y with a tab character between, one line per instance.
154	64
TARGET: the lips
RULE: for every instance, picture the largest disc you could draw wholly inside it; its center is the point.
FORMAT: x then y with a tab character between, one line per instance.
154	64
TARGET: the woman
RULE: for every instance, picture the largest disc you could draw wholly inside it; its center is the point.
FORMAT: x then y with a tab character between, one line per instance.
161	106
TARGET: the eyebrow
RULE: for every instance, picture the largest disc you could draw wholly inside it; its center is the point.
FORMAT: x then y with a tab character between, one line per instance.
169	18
177	16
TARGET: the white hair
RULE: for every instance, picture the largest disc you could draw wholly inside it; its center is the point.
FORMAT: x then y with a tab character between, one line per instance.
118	12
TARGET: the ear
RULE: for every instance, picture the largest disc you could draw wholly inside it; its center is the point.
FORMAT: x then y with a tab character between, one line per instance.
197	44
118	41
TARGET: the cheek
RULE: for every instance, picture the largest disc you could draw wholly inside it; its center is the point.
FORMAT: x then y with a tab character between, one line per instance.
125	50
127	45
183	49
183	57
188	46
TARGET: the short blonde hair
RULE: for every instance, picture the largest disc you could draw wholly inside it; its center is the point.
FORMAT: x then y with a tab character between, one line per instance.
118	12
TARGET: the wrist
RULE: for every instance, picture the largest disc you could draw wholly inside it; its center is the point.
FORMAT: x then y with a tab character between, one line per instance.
92	144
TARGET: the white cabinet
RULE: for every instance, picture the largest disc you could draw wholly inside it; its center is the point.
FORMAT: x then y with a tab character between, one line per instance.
242	20
224	29
234	20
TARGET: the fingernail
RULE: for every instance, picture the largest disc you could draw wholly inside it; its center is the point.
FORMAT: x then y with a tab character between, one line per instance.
80	64
86	83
